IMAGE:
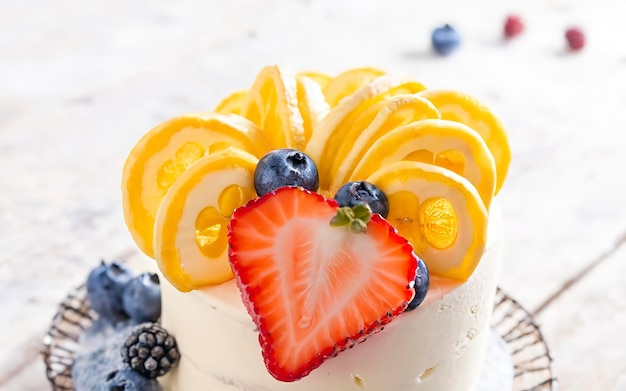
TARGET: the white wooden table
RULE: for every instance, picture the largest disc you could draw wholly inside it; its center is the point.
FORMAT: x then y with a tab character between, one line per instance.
81	82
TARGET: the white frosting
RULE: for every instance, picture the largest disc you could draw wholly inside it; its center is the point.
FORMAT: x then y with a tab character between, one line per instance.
439	346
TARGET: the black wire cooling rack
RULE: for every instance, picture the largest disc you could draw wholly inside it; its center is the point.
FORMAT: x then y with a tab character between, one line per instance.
531	357
530	354
62	339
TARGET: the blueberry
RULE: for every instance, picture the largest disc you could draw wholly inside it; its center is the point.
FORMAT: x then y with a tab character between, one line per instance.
445	39
362	192
105	285
285	167
422	283
129	380
142	298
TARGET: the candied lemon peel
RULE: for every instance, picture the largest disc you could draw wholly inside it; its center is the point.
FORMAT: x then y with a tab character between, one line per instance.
430	199
190	230
166	151
440	156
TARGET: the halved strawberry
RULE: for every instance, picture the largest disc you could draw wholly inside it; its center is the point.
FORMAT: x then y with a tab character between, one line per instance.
314	289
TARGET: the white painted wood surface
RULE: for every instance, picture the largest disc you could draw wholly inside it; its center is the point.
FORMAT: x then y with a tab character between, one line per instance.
80	82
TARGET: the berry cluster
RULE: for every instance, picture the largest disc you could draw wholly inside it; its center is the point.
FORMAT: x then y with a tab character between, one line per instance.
446	39
128	307
116	294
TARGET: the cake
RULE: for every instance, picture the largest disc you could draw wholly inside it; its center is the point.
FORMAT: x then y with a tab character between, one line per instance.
230	244
439	346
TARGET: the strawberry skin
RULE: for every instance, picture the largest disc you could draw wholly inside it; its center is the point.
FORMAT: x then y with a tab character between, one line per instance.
314	290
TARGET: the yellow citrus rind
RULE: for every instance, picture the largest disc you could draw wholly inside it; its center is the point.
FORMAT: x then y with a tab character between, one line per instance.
233	103
272	104
439	212
460	107
312	105
379	119
169	149
321	79
190	230
328	137
448	144
348	82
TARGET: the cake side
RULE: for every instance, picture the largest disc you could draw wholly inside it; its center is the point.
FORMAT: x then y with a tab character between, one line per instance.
439	346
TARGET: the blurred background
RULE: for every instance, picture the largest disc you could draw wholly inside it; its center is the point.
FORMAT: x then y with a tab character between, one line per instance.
82	81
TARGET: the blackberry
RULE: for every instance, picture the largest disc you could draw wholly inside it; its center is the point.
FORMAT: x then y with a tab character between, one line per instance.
150	350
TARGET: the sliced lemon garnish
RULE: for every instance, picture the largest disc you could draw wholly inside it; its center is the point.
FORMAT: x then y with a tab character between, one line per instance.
321	79
191	226
448	144
328	137
377	120
169	149
439	212
272	104
457	106
347	82
233	103
311	103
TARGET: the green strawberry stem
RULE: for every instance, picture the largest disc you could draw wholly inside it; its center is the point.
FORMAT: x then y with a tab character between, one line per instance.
356	218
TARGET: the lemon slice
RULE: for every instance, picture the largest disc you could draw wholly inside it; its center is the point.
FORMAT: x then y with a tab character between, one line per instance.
347	82
191	226
328	137
272	104
439	212
457	106
448	144
169	149
321	79
311	103
233	103
372	124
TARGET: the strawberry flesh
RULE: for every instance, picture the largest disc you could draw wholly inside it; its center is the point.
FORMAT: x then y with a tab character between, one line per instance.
314	290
